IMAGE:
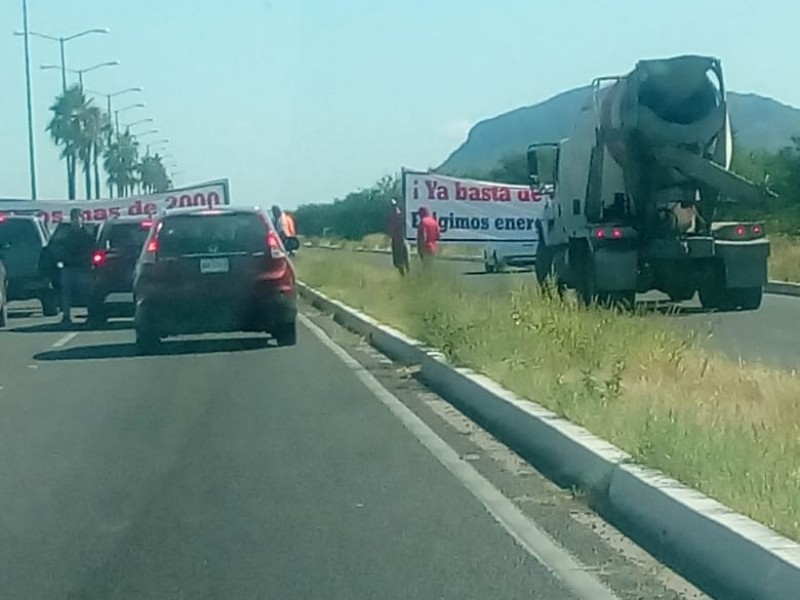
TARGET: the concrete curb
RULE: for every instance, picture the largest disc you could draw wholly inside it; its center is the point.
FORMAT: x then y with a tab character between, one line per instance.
782	288
778	288
724	549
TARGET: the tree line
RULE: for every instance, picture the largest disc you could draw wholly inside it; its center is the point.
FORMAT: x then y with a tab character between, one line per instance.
365	211
87	139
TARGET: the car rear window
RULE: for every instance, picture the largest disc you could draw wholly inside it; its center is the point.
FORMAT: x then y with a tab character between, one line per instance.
212	234
63	228
18	233
125	235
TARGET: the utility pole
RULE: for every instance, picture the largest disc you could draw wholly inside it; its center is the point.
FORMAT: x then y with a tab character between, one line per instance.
29	101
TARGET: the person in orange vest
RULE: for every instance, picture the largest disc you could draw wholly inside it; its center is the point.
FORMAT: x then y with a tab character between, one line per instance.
288	225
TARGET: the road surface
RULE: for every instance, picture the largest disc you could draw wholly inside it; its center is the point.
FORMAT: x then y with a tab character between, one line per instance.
768	335
228	468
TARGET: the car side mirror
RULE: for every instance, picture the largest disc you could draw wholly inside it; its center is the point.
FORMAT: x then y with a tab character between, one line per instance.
291	244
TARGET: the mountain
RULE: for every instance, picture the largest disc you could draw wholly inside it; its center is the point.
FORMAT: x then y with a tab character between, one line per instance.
760	123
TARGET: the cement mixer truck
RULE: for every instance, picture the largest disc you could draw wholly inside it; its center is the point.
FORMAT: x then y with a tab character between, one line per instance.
633	193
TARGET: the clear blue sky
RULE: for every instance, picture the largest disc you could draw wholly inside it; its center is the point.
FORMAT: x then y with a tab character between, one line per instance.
304	100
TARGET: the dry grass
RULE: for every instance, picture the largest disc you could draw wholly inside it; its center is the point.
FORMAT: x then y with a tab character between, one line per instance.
784	264
380	241
729	430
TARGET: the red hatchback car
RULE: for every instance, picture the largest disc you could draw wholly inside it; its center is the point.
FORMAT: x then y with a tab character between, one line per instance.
214	270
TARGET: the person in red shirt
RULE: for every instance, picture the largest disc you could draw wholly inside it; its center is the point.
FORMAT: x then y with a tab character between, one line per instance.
428	233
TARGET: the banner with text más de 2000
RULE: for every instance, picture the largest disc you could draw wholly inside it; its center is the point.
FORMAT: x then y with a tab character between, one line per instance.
471	211
52	212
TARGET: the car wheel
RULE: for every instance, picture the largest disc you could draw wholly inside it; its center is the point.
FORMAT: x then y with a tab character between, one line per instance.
487	266
147	340
285	334
3	312
49	304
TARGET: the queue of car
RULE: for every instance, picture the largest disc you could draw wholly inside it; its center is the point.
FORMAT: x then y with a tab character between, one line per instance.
186	271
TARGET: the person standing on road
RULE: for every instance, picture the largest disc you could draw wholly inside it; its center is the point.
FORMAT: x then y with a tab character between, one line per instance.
74	252
396	230
428	233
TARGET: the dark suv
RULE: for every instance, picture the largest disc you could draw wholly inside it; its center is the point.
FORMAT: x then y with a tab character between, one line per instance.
119	244
23	240
214	270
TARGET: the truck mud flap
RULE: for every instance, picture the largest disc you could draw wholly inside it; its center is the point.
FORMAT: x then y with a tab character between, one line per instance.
745	263
615	270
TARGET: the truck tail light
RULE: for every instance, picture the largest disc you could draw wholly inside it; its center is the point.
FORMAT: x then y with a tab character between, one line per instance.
614	233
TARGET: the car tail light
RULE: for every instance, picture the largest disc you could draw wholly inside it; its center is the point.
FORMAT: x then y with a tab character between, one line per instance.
147	224
152	246
2	218
600	234
99	258
758	230
276	251
741	230
616	233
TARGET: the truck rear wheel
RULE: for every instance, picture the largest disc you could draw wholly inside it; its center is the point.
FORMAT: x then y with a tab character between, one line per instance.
747	298
712	290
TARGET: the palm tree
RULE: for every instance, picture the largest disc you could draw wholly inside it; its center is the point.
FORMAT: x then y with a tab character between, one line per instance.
99	143
120	161
90	134
65	129
153	175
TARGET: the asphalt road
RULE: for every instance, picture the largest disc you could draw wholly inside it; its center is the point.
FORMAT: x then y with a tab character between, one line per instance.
228	468
768	335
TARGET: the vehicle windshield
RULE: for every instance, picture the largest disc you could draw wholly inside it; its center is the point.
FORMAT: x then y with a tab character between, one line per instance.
18	233
211	234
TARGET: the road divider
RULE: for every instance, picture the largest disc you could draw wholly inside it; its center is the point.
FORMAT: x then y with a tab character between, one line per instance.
717	547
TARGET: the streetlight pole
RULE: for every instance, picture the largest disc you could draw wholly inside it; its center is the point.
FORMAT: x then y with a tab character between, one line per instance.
156	143
29	101
139	122
80	72
116	112
62	40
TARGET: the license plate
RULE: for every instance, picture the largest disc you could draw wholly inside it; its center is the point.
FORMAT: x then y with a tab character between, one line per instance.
214	265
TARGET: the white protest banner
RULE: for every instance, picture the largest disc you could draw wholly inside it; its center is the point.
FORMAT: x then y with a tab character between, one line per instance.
471	211
53	212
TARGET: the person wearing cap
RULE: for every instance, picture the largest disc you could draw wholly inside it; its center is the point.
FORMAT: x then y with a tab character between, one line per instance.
396	230
74	252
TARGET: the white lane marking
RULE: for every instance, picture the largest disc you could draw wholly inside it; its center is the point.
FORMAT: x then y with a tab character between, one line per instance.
534	540
65	340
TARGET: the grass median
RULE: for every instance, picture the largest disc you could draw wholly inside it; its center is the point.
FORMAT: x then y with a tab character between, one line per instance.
730	430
